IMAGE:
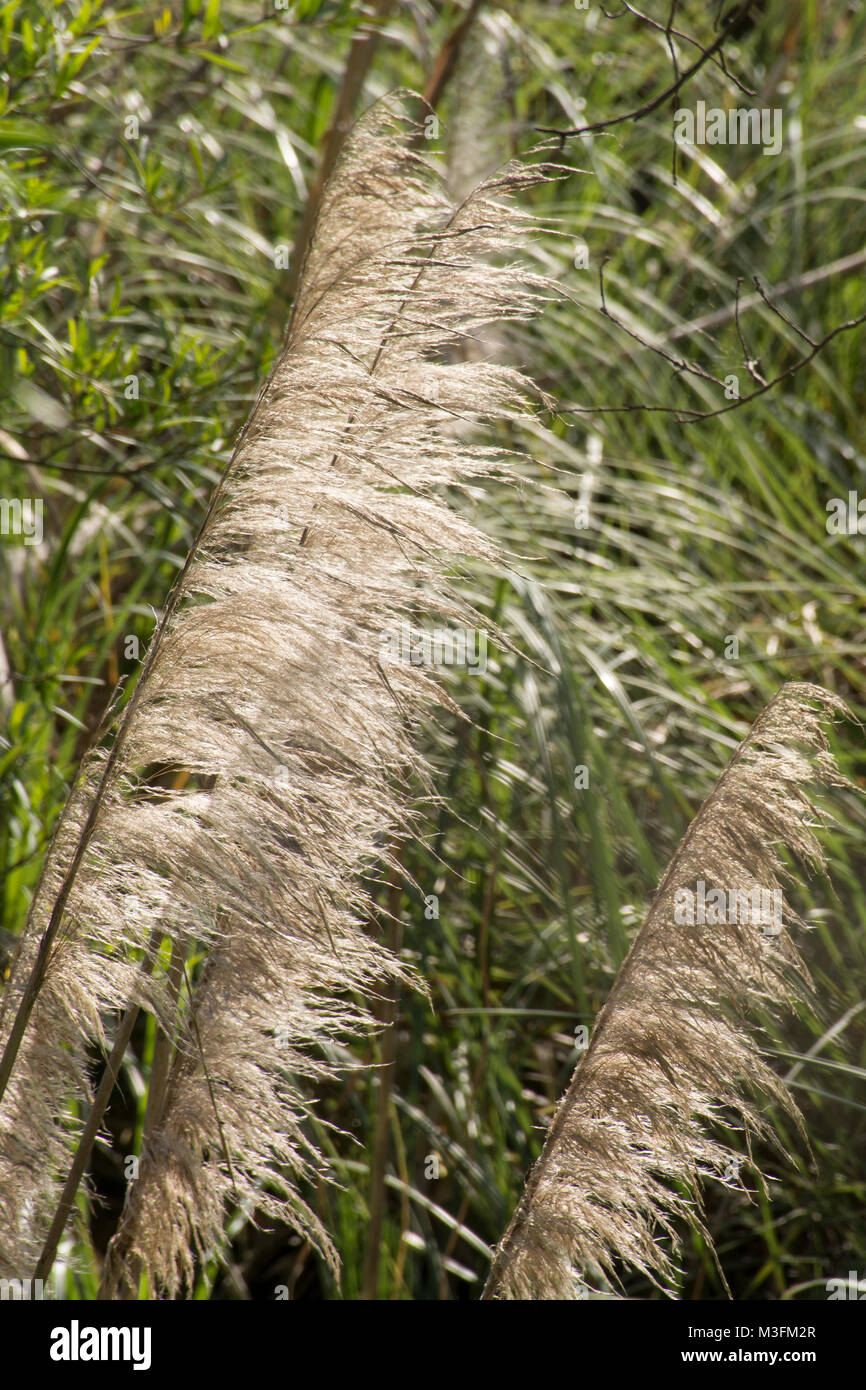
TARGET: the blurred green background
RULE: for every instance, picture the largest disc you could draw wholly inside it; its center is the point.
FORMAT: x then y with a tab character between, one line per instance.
155	163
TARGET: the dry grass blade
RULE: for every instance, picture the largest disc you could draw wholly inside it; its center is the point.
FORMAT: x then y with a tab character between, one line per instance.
671	1051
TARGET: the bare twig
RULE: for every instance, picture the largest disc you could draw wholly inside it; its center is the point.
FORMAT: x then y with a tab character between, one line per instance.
648	107
799	282
684	414
750	361
448	56
668	30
